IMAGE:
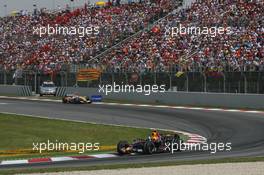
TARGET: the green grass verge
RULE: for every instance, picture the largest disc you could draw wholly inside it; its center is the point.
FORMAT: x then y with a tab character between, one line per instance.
20	132
136	165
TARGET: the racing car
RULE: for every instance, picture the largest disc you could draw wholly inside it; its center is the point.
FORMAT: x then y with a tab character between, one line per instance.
155	144
76	99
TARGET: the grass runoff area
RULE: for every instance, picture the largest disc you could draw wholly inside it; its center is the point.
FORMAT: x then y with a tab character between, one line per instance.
19	132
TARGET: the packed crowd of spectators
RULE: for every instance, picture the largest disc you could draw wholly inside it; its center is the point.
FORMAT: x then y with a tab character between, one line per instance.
240	50
151	50
21	48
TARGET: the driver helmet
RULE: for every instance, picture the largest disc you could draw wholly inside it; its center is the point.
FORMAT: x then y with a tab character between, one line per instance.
154	135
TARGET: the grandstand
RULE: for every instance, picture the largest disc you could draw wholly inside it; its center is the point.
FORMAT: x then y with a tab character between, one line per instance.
21	48
133	40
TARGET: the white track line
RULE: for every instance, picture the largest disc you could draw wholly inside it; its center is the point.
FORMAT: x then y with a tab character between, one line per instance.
146	105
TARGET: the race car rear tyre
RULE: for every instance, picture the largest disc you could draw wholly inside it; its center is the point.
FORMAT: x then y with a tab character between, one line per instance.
64	100
149	147
177	142
176	137
120	147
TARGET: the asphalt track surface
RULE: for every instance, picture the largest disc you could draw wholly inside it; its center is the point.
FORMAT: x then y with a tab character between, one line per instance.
244	130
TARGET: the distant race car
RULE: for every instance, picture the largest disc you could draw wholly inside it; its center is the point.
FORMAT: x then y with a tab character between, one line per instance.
76	99
150	145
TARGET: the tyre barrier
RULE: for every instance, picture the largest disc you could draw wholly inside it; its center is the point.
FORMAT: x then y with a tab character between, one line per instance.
24	91
61	91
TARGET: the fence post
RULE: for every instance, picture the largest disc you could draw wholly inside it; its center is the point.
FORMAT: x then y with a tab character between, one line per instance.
66	79
126	77
113	78
15	80
140	78
39	79
35	82
76	79
25	79
245	84
224	82
88	83
239	87
187	82
155	77
258	83
5	78
170	82
205	82
100	79
61	74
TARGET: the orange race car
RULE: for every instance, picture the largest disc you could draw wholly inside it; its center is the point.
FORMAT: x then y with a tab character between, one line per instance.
76	99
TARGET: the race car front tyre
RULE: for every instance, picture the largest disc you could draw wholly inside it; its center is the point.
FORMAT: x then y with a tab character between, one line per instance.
121	146
149	147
